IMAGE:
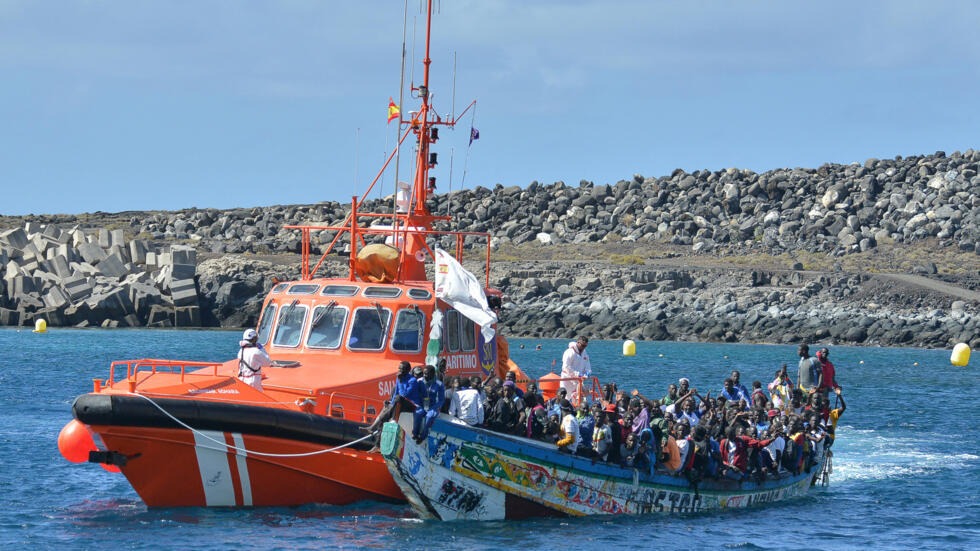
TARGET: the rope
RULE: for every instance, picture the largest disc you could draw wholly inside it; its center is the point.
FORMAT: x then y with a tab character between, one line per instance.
246	451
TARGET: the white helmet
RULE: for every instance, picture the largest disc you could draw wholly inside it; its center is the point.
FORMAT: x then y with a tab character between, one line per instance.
250	335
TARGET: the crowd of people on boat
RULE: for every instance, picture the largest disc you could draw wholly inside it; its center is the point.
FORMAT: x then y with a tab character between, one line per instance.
737	433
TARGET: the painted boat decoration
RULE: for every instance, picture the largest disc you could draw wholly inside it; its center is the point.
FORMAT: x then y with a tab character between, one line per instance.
460	472
195	434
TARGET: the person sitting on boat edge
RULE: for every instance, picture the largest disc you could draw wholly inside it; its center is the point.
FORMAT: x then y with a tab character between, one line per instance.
251	359
403	384
575	363
568	435
466	404
433	395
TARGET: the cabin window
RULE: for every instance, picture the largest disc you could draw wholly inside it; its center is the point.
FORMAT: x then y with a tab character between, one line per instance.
327	327
467	335
460	332
265	324
409	328
289	327
420	294
302	289
368	329
452	330
280	288
339	290
382	292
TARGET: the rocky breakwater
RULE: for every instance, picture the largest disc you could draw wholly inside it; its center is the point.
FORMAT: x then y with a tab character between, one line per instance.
563	299
835	209
841	227
79	277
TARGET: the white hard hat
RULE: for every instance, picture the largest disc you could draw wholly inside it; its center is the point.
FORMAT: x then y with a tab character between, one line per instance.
250	335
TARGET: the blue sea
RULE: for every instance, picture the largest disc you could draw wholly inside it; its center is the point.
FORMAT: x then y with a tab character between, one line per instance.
906	470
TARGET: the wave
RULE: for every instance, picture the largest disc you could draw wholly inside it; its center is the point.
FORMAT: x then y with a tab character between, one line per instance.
866	454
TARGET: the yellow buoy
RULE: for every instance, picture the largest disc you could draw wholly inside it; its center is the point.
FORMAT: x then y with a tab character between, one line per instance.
961	355
40	326
629	348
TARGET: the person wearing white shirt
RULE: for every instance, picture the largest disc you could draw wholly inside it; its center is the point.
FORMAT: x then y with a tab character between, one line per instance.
466	404
251	359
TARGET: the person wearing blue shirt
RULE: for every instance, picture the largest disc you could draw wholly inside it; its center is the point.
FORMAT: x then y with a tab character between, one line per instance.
736	380
732	393
413	391
404	382
433	394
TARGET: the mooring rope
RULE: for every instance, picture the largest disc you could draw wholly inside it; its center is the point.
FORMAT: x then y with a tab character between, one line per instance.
247	451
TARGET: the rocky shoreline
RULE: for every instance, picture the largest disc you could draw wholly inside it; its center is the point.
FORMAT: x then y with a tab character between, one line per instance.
881	253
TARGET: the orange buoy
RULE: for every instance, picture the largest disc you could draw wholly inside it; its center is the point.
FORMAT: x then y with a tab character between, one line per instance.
110	468
74	442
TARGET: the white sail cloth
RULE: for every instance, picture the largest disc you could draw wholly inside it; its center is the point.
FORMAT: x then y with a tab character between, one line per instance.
461	290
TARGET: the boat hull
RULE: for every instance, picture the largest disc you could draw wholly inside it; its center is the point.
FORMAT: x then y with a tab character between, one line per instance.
466	473
242	464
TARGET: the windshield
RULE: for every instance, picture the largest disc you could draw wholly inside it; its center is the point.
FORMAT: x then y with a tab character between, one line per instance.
367	331
289	328
327	327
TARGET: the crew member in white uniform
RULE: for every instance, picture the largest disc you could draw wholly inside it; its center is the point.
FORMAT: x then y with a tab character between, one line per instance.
575	363
251	359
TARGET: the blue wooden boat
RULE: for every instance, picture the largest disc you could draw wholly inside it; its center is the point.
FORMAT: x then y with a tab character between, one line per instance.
460	472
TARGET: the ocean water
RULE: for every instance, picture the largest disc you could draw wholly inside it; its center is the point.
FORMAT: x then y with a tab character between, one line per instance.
906	469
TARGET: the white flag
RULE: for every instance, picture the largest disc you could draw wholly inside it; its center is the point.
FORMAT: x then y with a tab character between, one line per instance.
461	290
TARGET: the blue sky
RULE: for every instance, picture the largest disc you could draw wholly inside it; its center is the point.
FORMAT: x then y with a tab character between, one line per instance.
129	105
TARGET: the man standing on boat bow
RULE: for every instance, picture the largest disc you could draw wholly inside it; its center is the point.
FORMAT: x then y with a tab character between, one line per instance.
575	363
251	359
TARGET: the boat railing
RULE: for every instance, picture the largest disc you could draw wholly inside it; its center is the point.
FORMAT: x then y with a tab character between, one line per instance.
152	366
348	406
397	234
586	388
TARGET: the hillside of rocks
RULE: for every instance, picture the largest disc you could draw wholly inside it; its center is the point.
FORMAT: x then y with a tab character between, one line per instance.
883	252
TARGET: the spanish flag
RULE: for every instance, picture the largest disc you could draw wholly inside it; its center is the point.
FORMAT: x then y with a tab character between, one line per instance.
393	110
